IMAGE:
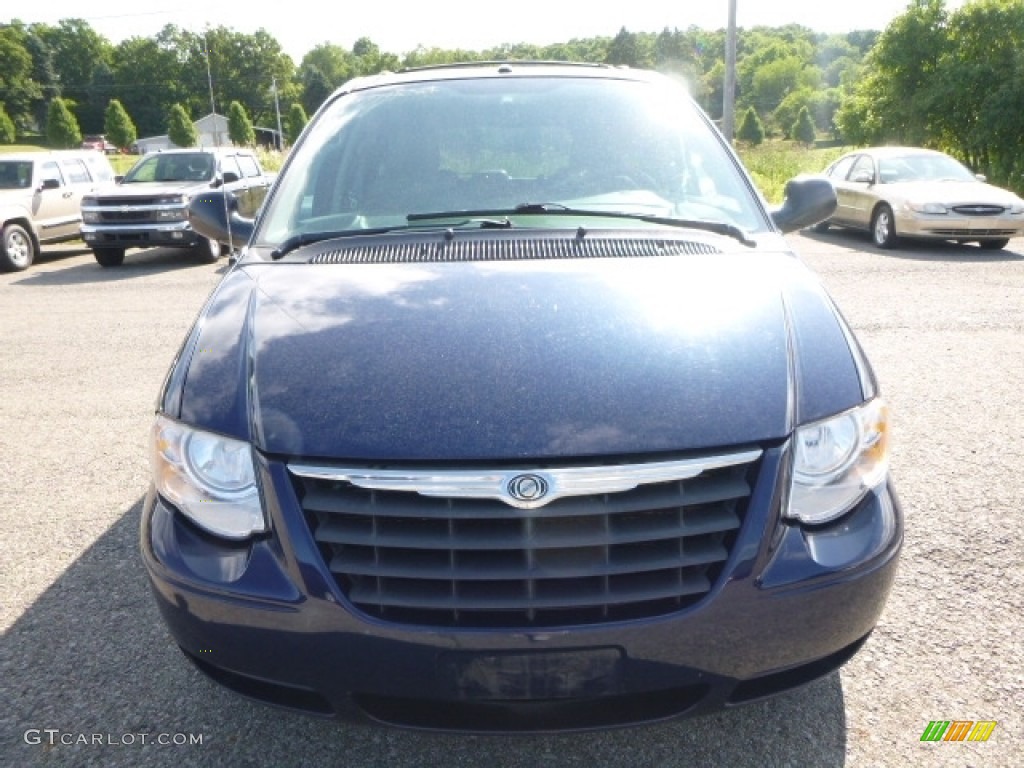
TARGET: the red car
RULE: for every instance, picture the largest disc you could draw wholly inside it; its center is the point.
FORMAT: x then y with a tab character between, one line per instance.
99	142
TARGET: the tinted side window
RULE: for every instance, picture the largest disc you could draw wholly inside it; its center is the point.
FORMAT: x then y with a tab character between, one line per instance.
864	165
249	166
230	165
841	168
100	169
50	170
76	171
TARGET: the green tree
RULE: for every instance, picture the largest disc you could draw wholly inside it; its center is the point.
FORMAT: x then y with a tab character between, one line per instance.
898	94
62	129
19	91
751	129
803	129
979	96
118	126
8	134
240	126
81	58
180	128
294	122
624	50
147	60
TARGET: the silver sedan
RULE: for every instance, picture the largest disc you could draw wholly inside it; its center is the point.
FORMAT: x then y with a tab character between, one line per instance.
895	192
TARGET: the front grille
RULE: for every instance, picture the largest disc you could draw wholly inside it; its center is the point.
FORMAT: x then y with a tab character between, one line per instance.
979	210
120	217
479	562
107	202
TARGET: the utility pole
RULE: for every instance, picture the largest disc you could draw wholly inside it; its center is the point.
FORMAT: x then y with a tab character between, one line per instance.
277	111
209	80
729	97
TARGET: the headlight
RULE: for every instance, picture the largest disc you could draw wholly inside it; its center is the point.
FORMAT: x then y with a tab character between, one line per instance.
211	479
90	217
837	461
927	207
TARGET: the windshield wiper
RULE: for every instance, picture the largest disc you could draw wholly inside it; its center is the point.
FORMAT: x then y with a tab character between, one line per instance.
717	227
558	209
308	238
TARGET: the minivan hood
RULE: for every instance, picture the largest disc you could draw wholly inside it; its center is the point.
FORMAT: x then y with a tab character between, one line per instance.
526	359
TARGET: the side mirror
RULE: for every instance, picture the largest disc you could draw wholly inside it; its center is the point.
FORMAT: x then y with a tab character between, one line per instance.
215	215
863	177
808	200
50	184
230	177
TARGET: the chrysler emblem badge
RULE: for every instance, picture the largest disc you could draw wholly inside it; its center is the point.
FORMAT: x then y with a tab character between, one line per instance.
527	488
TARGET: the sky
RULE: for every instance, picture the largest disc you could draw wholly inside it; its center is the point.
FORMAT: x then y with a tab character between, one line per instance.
300	25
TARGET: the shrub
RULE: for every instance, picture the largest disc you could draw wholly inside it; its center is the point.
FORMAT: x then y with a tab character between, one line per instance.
62	129
751	129
180	129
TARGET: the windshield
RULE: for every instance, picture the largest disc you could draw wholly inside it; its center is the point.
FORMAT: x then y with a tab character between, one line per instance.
922	167
374	158
191	166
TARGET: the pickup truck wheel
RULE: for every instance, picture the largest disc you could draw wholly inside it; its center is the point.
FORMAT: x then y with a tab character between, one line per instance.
17	249
109	257
208	251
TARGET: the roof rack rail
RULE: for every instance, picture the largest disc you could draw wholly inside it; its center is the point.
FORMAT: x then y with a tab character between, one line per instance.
516	62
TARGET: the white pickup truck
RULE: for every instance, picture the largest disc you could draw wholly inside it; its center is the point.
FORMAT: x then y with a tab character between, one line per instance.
40	199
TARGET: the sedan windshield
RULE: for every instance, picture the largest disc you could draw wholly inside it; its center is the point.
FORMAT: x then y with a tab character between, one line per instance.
922	167
530	146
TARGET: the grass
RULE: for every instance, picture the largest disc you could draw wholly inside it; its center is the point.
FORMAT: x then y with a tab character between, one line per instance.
773	163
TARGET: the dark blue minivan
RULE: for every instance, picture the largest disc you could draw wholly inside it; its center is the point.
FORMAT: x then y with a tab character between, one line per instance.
518	412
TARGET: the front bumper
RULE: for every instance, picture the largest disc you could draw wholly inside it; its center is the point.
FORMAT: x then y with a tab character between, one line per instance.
266	619
955	227
177	235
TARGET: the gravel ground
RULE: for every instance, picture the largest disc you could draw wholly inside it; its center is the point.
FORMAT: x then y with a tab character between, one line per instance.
84	656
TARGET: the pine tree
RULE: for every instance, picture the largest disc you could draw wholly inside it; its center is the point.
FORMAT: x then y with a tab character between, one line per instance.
180	128
751	129
8	133
118	125
294	122
62	129
240	126
803	128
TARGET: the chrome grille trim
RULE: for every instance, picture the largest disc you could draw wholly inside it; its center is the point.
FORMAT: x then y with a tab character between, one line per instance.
979	209
494	483
656	547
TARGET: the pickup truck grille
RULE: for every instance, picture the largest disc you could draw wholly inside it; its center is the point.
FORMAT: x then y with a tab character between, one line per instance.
116	217
452	561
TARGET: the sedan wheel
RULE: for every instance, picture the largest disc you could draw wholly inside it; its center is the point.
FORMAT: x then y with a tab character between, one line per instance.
17	250
994	245
883	228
